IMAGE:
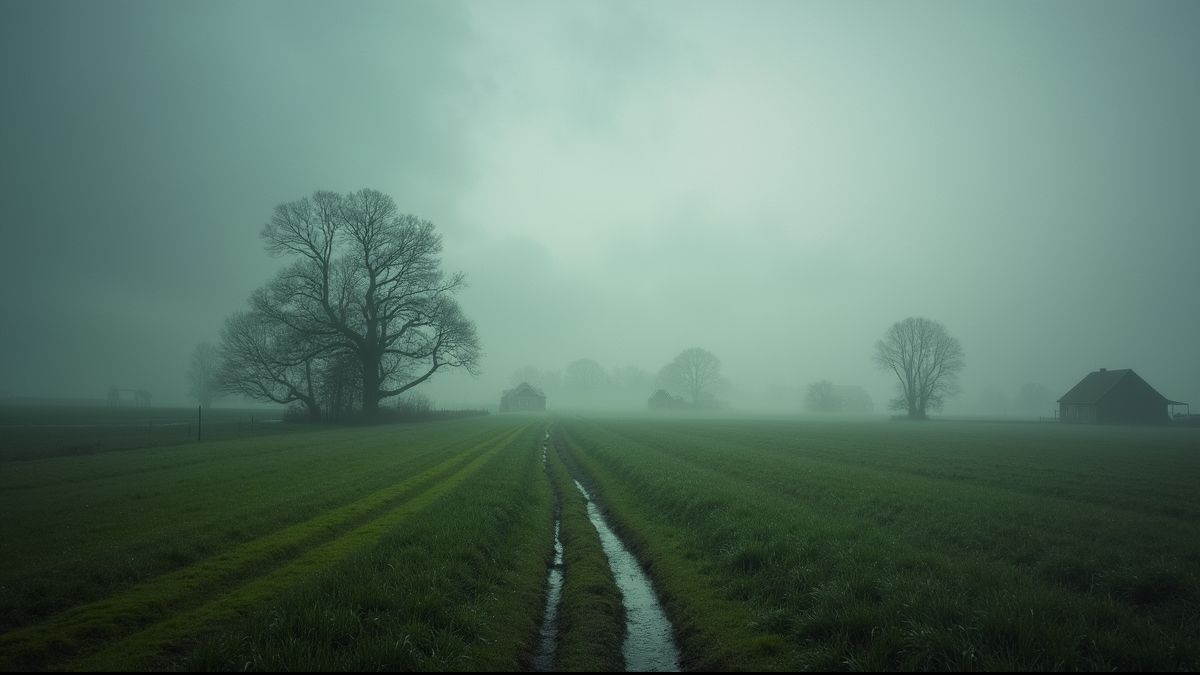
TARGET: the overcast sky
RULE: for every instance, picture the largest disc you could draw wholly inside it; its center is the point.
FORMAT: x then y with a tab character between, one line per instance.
775	182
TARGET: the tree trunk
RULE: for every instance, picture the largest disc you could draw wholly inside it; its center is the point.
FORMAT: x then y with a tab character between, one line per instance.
370	396
916	411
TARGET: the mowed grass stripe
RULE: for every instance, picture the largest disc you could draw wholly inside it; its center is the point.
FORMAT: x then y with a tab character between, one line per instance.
95	543
73	631
757	583
137	650
459	586
948	514
1077	463
104	467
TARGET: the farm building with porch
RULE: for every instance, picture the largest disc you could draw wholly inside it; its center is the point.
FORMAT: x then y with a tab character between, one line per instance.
1114	397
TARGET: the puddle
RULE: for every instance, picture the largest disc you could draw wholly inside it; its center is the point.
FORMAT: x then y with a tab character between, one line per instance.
544	661
649	642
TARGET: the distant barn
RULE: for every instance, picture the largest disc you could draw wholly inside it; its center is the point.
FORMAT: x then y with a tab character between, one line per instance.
663	400
1114	397
523	398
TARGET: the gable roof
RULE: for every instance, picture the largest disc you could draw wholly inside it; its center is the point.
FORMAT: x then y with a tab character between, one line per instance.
1093	388
524	389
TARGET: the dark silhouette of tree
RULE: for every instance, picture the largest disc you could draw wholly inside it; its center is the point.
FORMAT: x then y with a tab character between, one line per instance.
822	397
340	387
585	376
693	372
925	360
202	374
267	361
367	281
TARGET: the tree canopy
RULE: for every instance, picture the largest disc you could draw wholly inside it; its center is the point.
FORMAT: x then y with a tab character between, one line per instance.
694	371
364	301
925	359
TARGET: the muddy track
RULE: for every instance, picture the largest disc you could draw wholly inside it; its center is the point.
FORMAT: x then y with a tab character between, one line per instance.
544	660
246	574
648	644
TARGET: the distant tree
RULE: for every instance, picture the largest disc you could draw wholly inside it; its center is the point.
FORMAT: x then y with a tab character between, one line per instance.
925	359
822	397
694	372
367	281
632	379
584	376
203	374
1033	399
267	361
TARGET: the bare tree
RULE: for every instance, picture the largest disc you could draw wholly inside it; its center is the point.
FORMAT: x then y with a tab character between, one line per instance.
267	361
202	374
693	372
822	397
340	386
585	377
368	281
925	360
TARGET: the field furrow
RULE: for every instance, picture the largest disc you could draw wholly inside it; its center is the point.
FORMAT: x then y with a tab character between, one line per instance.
772	558
138	649
270	562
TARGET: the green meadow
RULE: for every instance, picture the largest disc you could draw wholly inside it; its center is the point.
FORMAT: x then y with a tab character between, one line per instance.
774	544
782	545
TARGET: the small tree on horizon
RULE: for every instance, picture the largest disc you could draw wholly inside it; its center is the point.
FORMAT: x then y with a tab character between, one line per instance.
925	359
694	372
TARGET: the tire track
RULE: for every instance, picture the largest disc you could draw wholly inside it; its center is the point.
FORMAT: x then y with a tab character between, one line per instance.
286	555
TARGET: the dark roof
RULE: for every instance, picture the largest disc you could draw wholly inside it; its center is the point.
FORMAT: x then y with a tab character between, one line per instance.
1093	388
525	389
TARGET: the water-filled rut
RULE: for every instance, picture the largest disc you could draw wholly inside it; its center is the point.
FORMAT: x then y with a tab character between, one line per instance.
548	636
649	640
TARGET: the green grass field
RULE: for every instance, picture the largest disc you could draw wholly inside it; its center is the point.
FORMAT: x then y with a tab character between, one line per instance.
39	431
775	544
937	546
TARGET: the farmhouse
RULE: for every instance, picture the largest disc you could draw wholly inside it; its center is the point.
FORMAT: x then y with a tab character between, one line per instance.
523	398
1114	397
663	400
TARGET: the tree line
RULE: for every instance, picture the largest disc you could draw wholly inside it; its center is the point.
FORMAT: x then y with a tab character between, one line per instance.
363	312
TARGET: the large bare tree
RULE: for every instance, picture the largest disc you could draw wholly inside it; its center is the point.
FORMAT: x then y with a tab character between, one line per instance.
267	361
925	359
693	372
367	281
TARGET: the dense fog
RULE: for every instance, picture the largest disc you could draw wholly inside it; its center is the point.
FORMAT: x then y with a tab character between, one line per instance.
776	183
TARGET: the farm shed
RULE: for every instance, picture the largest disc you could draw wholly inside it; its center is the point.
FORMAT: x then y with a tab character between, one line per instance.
1114	397
523	398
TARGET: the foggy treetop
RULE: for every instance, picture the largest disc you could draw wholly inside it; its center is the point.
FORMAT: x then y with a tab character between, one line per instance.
777	183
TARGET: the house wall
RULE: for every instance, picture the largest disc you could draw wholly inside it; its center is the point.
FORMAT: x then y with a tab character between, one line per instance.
517	403
1077	414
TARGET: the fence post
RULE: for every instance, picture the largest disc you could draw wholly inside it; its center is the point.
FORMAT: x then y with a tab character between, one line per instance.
199	420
